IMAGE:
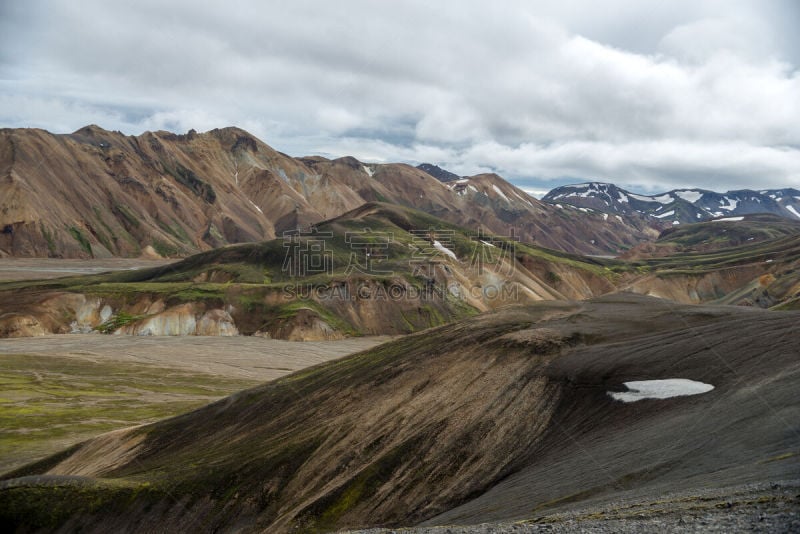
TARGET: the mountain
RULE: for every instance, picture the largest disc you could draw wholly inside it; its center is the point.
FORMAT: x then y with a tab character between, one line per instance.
679	205
95	193
502	208
437	172
513	415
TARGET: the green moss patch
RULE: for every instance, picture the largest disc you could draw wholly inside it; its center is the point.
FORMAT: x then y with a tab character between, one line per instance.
48	403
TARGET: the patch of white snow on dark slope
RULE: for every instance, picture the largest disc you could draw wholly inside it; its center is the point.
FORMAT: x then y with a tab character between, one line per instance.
660	389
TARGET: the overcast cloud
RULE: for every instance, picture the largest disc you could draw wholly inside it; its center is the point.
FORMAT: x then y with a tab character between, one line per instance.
648	95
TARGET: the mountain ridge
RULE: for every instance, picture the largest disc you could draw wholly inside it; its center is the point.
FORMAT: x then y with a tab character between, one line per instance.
678	206
96	193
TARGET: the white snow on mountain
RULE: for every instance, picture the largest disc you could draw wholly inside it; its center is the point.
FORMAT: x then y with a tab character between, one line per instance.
497	190
642	198
441	248
689	195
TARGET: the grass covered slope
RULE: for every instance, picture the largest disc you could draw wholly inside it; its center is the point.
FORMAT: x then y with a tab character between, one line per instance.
387	269
437	425
716	235
60	390
50	401
420	272
752	262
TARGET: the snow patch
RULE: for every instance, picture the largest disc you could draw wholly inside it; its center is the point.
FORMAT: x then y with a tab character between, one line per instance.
441	248
660	389
497	190
730	206
666	214
662	199
724	219
794	211
605	216
642	198
689	195
369	171
675	223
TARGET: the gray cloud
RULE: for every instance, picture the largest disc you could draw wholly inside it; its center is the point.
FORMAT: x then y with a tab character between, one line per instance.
650	95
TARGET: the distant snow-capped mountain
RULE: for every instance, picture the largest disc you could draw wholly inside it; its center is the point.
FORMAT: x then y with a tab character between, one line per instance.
679	205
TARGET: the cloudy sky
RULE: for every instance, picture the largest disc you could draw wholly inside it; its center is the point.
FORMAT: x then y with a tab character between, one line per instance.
649	95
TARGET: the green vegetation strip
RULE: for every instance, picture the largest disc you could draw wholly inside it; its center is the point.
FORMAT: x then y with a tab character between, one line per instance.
48	403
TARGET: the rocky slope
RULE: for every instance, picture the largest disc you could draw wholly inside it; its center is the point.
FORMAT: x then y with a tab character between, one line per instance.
679	206
443	175
95	193
506	416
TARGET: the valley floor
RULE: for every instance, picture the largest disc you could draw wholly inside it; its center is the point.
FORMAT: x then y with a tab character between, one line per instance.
13	269
58	390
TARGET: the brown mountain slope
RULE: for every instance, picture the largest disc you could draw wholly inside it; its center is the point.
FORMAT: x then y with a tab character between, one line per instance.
489	202
95	193
503	416
100	193
501	207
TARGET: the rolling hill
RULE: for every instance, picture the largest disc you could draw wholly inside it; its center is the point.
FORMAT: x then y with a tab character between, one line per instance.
382	269
506	416
386	269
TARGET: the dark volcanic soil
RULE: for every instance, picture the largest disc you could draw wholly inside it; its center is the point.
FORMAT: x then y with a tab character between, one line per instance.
502	418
